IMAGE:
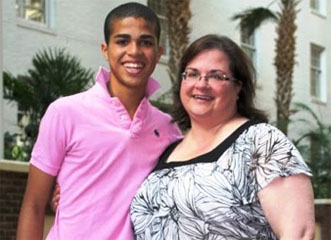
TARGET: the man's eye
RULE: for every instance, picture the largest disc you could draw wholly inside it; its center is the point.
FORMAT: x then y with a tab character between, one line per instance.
146	43
122	42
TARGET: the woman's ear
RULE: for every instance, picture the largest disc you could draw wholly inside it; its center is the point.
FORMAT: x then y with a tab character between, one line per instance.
238	86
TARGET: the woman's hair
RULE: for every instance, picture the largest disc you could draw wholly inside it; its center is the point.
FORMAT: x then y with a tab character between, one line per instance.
241	69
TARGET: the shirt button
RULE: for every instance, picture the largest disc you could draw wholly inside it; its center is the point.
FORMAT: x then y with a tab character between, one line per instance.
123	117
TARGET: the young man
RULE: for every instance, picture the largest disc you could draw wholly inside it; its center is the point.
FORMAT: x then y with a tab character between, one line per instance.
101	143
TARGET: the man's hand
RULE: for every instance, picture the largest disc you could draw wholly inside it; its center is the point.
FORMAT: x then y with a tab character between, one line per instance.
55	198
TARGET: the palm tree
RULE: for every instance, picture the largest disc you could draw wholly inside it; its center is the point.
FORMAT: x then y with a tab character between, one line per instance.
179	15
54	73
285	51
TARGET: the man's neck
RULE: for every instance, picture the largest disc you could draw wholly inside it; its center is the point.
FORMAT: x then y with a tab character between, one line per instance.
130	98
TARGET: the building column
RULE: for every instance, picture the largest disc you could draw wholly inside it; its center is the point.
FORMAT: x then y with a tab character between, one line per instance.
1	88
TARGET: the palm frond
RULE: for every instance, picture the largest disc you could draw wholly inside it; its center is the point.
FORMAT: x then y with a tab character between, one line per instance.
15	90
54	73
315	144
305	108
252	18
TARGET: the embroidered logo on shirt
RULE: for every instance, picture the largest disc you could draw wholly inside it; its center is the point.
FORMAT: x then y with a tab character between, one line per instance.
156	132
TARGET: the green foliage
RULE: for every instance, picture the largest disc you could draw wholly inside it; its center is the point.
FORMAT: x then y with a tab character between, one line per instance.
16	151
164	102
252	18
163	106
54	73
315	146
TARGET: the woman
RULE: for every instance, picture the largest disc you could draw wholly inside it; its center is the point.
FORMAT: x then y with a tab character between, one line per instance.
233	176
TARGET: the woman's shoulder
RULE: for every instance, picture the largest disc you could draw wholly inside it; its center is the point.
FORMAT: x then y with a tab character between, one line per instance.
264	129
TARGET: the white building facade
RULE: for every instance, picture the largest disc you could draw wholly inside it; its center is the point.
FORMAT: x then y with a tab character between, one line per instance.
77	25
1	87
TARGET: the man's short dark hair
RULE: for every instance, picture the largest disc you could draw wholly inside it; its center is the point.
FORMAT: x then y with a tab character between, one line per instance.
131	9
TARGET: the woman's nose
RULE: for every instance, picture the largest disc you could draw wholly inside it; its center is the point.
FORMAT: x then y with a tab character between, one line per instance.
202	81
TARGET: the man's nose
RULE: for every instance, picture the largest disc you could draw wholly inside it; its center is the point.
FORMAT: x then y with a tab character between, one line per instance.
134	48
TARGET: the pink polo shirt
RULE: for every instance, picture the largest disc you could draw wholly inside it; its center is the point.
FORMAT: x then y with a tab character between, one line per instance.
100	157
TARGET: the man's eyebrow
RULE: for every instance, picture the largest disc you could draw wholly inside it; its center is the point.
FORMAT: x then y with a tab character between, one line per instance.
122	36
127	36
147	36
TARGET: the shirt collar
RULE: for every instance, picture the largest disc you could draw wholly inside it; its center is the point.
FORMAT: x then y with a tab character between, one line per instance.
103	78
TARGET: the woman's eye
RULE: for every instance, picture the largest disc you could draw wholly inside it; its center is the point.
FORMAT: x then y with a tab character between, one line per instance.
217	77
192	74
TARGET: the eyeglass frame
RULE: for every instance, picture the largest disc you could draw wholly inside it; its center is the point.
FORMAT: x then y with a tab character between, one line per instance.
225	78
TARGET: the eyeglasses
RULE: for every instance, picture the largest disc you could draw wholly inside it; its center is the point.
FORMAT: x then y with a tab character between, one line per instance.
213	78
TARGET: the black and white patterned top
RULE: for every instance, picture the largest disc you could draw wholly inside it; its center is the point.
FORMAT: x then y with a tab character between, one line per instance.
214	196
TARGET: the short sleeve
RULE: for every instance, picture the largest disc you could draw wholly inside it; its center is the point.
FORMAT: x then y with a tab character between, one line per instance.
274	156
175	132
49	149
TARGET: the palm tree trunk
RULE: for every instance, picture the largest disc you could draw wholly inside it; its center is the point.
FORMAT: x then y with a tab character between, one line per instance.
179	14
284	61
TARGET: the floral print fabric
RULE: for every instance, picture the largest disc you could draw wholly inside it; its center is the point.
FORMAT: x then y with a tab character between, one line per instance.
214	196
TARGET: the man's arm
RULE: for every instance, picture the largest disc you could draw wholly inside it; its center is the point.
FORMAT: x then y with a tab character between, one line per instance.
288	204
31	219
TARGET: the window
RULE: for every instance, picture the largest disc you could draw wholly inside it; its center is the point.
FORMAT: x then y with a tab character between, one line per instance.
248	44
33	10
317	76
318	6
314	4
160	8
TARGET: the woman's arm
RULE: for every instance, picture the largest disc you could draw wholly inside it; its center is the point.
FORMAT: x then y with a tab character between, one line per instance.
31	219
288	204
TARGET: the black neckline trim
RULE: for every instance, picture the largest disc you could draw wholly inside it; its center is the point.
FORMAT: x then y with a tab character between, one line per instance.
211	156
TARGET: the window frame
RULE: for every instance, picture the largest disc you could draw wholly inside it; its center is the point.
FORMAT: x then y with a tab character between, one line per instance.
48	15
318	6
254	48
164	36
318	86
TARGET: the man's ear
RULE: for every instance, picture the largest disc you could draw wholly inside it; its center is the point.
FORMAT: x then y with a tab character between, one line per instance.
104	50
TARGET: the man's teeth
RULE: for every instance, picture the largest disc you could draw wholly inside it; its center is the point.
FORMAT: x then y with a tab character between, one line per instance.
133	65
